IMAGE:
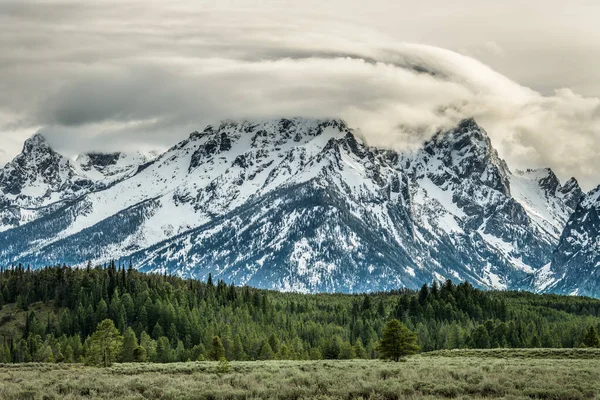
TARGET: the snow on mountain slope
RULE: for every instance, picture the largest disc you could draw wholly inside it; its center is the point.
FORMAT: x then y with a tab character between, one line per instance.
303	204
543	198
312	231
461	185
39	176
204	176
39	180
110	167
447	209
570	193
36	178
575	267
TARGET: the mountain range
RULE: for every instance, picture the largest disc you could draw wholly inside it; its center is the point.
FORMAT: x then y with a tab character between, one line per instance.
305	205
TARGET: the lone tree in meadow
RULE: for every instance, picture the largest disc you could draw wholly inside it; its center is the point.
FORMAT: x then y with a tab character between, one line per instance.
591	338
105	343
397	341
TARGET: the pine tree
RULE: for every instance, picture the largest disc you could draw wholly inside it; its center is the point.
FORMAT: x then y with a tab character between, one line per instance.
284	353
381	309
173	335
397	341
46	355
333	347
366	306
217	351
238	348
266	352
591	338
359	349
149	345
101	310
535	342
157	331
164	353
22	303
140	354
346	352
481	338
315	354
69	354
129	345
423	294
105	343
181	354
274	343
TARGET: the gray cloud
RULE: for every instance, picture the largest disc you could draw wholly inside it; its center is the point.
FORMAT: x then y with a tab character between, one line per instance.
143	74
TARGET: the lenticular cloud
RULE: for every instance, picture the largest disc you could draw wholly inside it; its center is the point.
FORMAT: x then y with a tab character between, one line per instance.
107	81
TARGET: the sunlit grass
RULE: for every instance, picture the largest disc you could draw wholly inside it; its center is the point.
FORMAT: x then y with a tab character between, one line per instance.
425	376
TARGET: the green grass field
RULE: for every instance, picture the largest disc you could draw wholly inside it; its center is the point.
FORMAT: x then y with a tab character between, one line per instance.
472	374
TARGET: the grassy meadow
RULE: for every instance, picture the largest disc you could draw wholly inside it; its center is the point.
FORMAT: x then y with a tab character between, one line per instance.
519	374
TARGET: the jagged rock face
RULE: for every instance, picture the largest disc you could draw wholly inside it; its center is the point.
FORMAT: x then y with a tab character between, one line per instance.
110	166
402	202
546	201
98	161
35	179
575	267
461	185
571	193
301	204
37	173
39	180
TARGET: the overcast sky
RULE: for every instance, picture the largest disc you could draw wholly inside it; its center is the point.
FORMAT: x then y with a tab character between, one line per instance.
129	74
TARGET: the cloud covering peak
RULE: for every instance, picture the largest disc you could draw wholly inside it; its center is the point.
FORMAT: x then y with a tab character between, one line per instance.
108	75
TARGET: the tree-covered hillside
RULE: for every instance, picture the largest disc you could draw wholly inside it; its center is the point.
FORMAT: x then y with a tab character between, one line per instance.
176	320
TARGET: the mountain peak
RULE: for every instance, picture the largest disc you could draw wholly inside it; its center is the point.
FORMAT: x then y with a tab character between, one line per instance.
263	134
571	193
33	176
281	187
466	139
546	178
37	141
592	198
466	134
467	150
196	134
37	137
469	128
468	124
283	123
571	184
295	127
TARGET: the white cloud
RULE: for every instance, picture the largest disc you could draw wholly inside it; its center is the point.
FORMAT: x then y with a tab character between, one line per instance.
90	75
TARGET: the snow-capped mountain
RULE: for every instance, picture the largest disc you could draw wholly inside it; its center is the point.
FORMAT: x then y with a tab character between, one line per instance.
575	266
39	180
294	204
35	179
39	176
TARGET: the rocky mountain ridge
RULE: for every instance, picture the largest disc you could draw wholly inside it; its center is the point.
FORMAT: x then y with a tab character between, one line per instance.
301	204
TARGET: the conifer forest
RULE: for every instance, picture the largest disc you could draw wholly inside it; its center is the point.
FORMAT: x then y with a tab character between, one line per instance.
52	314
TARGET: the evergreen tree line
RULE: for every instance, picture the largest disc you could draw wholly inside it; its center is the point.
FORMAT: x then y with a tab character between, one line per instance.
159	318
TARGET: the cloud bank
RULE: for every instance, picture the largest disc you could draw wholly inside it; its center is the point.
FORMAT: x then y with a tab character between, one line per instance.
142	75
